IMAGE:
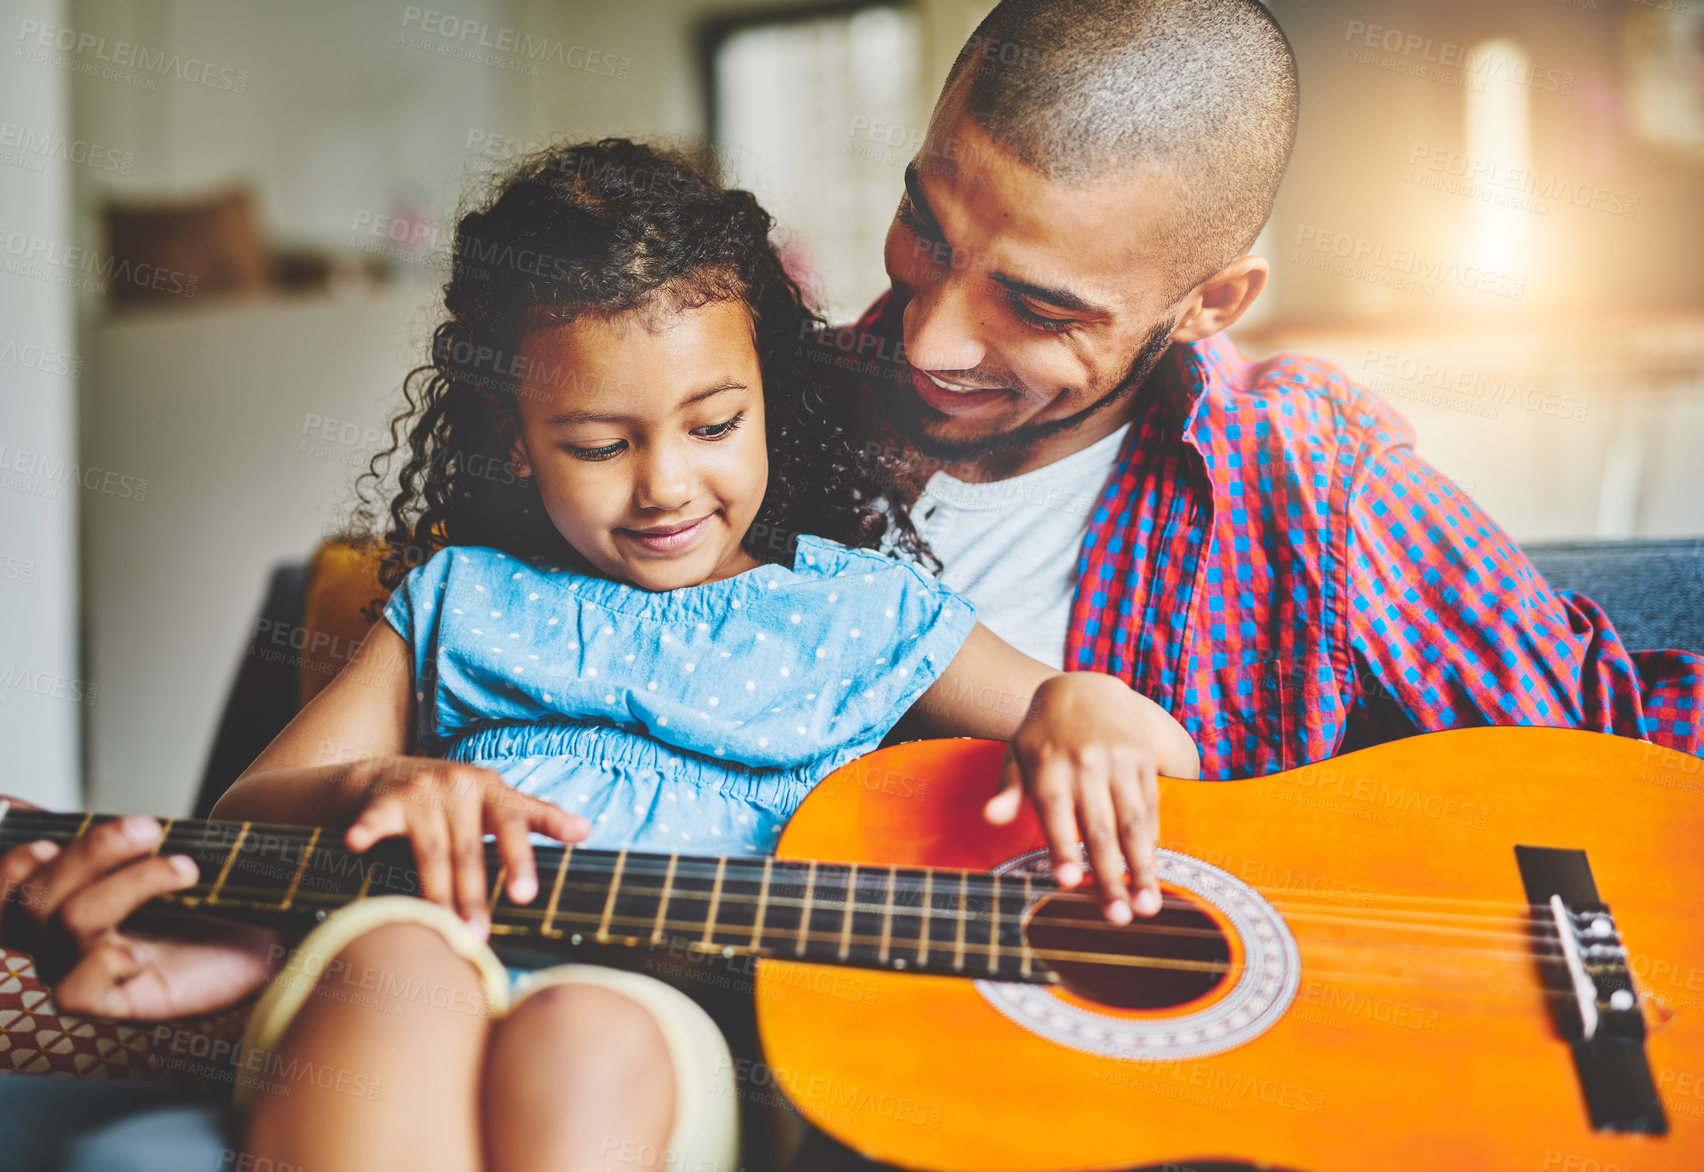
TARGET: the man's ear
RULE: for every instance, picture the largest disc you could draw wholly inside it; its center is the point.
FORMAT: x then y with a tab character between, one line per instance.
1221	299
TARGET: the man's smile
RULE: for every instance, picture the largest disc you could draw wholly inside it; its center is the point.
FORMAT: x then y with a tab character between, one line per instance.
950	397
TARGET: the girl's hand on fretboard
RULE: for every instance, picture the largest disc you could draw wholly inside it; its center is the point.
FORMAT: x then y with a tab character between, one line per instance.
445	809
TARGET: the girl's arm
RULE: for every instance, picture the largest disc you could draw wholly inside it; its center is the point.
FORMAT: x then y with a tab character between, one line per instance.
1085	747
343	761
987	690
364	714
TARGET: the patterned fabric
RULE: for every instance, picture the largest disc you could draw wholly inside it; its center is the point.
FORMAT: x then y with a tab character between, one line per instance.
1273	564
688	720
36	1038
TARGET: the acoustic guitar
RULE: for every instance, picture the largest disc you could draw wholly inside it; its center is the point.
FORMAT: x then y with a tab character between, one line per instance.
1481	948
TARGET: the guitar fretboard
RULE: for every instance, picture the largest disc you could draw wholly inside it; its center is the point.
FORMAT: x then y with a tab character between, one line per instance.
913	919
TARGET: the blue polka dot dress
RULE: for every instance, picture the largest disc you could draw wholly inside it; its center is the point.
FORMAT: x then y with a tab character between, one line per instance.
692	720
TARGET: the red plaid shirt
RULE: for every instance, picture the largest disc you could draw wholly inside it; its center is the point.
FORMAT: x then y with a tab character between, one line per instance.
1273	564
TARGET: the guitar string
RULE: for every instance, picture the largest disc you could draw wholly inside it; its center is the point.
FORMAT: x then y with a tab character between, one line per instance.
704	869
647	924
639	865
704	865
838	910
841	908
949	913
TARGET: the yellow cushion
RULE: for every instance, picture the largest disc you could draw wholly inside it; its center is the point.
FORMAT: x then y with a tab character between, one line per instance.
343	580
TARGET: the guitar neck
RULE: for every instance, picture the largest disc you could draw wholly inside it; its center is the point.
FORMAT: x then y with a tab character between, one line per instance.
912	919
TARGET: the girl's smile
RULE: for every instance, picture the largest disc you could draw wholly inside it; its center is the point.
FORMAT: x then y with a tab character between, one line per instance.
645	435
665	539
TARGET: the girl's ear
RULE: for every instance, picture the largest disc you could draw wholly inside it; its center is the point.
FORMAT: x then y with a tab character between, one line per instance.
509	434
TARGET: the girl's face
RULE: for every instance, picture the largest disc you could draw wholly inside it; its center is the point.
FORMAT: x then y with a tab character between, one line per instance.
645	435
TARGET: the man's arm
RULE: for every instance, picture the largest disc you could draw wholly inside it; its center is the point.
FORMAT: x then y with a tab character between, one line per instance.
1452	625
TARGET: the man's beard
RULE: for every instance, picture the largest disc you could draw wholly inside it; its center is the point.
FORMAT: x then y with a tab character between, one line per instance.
908	411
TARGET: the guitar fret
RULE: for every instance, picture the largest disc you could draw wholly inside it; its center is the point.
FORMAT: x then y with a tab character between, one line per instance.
296	879
556	894
715	901
923	920
367	880
805	910
958	947
846	919
609	903
1024	954
663	904
213	895
887	916
762	903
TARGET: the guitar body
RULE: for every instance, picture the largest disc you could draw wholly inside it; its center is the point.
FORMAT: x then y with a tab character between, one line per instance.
1403	1023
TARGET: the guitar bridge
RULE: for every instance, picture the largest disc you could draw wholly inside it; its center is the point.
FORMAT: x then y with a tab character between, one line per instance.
1592	1003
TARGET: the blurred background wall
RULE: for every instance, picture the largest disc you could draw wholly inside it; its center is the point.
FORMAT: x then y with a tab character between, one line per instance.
1492	218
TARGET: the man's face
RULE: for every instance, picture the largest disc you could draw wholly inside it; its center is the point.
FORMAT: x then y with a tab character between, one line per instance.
629	424
1030	307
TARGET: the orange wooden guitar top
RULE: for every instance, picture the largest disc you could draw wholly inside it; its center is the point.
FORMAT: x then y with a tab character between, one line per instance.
1418	1036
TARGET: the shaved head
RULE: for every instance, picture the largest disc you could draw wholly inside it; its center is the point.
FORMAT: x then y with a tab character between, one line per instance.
1200	92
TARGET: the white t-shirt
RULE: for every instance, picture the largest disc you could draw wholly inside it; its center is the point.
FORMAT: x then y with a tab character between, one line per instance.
1011	546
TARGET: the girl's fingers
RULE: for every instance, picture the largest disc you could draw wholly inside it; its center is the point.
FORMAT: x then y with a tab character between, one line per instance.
1051	793
1100	835
429	835
511	825
1004	806
559	823
1150	841
1137	830
467	850
383	817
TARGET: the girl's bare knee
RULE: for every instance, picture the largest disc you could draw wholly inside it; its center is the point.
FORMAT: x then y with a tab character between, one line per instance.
590	1019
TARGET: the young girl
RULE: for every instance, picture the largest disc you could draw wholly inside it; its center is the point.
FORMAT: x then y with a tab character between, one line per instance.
631	607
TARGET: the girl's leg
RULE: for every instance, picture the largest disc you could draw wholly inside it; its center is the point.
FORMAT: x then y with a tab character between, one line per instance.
595	1068
378	1066
577	1077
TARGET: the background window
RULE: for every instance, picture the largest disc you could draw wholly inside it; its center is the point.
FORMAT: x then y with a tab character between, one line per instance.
818	116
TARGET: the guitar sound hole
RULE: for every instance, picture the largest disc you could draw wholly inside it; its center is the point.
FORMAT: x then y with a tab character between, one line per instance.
1174	957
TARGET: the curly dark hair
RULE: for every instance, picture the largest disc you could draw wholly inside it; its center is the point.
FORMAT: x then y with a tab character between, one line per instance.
606	228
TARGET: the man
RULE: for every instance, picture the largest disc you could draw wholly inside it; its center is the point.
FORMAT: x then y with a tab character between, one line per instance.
1255	546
